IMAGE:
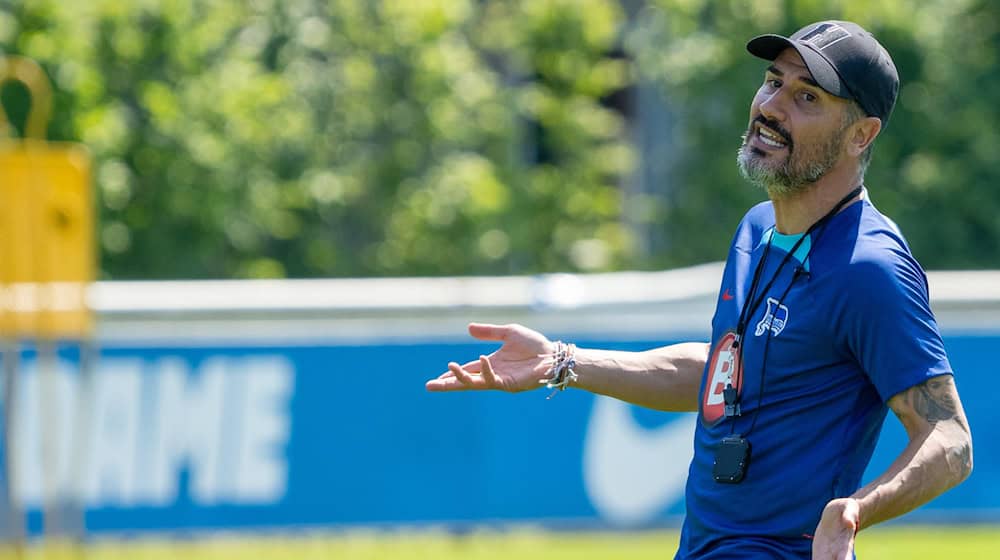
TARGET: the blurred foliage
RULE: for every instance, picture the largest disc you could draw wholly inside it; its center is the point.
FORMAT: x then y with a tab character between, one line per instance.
935	168
303	137
270	138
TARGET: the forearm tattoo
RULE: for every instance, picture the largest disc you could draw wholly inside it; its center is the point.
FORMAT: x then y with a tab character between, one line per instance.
935	401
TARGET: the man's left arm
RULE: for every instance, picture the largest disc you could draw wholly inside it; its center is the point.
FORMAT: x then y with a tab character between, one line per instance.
937	457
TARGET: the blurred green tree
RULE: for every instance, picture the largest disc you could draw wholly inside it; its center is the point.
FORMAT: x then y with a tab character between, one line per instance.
935	168
270	138
307	138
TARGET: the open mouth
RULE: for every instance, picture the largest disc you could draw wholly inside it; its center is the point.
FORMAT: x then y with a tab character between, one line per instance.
770	138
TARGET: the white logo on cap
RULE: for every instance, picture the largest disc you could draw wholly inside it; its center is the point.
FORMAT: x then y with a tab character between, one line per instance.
825	35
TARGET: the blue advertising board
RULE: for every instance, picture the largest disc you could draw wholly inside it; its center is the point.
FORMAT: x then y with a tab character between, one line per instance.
177	438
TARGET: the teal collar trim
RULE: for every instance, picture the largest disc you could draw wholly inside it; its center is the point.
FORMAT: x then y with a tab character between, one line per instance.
786	242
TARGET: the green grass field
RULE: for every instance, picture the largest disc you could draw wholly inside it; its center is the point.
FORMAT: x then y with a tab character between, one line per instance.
907	543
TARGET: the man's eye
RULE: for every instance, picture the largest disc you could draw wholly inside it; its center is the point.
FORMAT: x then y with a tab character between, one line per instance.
808	97
775	83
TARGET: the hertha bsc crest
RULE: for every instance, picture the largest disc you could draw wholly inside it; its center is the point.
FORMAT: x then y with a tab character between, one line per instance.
776	318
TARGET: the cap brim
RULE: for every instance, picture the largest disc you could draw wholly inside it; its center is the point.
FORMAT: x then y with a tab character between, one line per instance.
769	47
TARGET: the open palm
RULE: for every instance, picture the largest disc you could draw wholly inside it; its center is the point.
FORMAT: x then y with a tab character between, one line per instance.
518	365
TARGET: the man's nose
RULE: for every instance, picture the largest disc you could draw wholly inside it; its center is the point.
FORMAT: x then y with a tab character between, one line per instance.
772	106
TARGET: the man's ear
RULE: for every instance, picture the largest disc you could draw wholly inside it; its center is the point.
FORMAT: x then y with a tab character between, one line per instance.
863	133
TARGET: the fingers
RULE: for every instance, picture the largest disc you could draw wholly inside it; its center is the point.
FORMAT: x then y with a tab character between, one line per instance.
491	378
461	374
475	366
471	367
442	385
852	514
486	331
457	378
446	385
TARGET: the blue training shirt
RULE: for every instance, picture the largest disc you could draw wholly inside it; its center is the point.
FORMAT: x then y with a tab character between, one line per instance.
848	332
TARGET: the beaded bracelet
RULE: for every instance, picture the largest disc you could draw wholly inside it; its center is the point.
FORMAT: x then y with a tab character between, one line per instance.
561	364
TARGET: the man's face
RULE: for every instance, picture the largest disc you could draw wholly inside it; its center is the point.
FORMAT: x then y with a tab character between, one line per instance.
796	131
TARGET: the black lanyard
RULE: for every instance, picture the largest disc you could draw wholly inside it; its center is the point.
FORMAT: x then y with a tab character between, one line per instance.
748	310
731	396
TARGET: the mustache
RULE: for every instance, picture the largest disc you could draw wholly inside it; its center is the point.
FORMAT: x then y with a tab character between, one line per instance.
773	125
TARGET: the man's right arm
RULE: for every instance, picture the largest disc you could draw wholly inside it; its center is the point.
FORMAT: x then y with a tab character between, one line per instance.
666	378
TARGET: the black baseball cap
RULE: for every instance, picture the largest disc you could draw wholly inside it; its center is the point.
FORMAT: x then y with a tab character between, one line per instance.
844	59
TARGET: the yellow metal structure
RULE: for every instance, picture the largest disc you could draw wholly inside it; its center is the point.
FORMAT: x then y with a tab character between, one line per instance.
47	256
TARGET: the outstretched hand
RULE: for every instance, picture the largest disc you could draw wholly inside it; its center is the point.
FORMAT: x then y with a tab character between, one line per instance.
834	538
518	365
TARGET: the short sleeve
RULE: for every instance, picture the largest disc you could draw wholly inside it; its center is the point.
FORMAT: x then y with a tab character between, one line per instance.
889	327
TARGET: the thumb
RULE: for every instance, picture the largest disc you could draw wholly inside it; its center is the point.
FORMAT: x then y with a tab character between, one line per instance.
485	331
852	514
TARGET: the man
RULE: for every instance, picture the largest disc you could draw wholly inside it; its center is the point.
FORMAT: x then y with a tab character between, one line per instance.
822	324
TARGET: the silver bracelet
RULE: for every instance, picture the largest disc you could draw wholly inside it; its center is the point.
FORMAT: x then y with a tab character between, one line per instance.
561	364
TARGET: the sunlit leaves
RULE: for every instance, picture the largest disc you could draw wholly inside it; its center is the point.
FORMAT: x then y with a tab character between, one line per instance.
389	137
937	152
306	137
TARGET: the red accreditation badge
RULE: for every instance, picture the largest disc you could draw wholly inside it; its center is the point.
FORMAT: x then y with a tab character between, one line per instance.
722	371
